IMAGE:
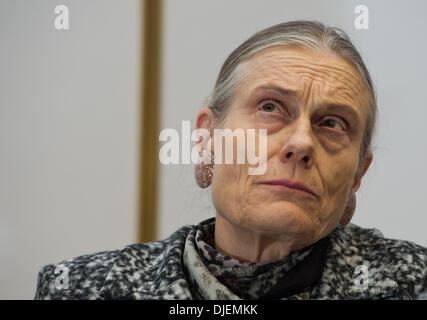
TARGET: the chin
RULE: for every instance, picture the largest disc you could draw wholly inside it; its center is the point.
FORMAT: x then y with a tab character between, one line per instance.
289	220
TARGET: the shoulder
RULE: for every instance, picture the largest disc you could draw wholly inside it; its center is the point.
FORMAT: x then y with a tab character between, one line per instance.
84	277
400	261
372	241
77	278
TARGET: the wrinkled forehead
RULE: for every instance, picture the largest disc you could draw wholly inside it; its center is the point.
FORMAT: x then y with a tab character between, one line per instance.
314	75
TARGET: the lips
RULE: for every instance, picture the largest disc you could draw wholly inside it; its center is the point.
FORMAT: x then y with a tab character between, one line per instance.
290	184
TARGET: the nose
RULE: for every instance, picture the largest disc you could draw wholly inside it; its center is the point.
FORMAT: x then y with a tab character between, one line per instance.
298	148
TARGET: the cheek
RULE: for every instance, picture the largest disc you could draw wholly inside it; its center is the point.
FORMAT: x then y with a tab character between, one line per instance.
337	180
228	187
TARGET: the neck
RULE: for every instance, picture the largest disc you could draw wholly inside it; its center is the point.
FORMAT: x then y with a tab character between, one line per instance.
248	245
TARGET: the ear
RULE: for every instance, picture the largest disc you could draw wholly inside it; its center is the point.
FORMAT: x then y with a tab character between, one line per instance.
203	172
361	172
206	120
349	209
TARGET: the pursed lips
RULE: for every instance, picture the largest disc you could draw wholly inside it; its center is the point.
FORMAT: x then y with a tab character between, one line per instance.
290	184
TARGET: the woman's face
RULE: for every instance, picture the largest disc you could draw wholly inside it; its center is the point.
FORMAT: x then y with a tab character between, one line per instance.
314	107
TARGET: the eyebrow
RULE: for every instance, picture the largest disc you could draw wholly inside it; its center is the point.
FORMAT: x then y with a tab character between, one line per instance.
332	106
279	90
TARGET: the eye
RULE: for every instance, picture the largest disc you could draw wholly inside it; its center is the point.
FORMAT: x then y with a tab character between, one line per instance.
334	123
270	107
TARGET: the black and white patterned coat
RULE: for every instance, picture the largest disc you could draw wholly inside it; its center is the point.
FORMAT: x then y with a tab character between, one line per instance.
396	269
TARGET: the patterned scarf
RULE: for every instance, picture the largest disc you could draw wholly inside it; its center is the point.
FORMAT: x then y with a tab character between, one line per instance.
213	275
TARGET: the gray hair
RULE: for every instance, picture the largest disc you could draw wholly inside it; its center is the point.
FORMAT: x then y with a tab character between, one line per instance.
293	34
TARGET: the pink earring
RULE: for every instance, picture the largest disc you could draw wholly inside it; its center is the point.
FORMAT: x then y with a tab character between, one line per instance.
350	207
204	169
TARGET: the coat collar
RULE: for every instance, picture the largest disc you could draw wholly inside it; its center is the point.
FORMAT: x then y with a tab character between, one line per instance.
149	271
352	270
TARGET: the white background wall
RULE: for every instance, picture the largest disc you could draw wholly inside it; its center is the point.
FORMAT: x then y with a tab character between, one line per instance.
200	34
69	113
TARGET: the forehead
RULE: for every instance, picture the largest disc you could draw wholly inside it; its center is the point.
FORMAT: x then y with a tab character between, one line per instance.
312	75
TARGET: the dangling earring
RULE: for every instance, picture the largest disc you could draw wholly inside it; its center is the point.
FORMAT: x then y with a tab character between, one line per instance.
350	207
204	169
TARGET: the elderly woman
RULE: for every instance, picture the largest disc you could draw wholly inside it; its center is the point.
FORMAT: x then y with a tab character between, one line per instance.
284	234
